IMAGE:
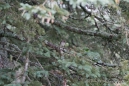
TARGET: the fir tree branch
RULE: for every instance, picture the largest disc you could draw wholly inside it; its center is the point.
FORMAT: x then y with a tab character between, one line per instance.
87	32
9	35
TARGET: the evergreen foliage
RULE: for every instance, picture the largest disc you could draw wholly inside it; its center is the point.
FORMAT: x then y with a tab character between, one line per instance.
64	43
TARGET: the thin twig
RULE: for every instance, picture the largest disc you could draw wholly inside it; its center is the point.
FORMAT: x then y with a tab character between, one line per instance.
96	24
28	78
44	2
18	56
42	69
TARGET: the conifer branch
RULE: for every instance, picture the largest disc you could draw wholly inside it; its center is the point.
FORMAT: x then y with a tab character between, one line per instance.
87	32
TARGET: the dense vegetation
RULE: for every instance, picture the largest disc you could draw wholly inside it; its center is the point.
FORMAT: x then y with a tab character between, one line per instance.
64	42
